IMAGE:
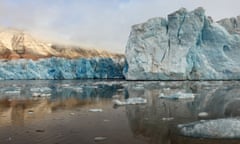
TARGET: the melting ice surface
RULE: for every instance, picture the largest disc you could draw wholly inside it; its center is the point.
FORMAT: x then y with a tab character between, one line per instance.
149	120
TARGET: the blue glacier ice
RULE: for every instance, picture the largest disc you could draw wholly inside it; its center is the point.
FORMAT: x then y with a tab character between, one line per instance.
185	46
61	68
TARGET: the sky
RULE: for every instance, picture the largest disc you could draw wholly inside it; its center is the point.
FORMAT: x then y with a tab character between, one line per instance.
102	24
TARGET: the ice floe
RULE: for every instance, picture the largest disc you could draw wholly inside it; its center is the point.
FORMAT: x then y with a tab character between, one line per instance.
41	94
40	89
130	101
95	110
168	118
219	128
203	114
14	92
178	95
98	139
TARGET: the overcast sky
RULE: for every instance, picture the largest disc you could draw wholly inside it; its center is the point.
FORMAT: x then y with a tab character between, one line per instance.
98	23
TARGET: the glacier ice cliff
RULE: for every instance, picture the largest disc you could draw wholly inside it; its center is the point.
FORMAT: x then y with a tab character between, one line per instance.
185	46
23	56
61	68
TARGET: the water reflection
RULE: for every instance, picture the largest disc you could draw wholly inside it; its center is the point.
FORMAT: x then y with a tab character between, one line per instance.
155	119
218	99
154	122
17	112
20	104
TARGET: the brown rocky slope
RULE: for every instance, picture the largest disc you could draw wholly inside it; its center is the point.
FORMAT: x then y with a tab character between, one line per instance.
16	44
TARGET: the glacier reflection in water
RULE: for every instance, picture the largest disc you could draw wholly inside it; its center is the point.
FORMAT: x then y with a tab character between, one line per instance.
158	119
155	122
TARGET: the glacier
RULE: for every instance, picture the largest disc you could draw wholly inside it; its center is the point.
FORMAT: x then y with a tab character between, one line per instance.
62	68
185	46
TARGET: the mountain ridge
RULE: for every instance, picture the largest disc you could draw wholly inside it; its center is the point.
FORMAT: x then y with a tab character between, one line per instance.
18	44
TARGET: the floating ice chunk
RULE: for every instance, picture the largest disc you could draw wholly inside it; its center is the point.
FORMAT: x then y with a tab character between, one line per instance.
178	95
77	89
72	113
95	110
45	95
40	95
14	92
118	102
34	89
167	118
161	95
166	89
65	85
202	114
130	101
138	87
98	139
36	94
48	95
30	112
120	90
40	89
219	128
136	100
91	86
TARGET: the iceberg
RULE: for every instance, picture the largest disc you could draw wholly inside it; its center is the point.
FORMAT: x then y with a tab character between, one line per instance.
130	101
185	46
219	128
178	95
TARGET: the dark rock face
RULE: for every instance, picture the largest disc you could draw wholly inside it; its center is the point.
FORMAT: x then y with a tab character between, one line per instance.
186	46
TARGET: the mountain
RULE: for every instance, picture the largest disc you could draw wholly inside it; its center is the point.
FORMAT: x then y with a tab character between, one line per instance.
24	57
16	44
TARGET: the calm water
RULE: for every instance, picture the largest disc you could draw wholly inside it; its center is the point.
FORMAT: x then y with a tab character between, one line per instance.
64	117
